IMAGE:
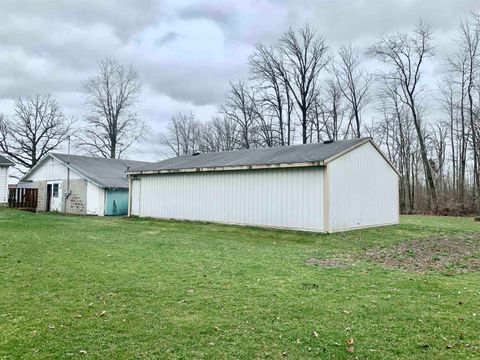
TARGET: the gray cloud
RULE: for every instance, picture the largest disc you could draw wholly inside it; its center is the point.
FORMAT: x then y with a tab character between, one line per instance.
186	51
168	37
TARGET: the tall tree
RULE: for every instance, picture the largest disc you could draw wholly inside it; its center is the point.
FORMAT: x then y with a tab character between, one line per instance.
239	109
183	134
305	56
469	42
458	70
406	53
267	70
112	126
448	102
218	134
37	127
354	81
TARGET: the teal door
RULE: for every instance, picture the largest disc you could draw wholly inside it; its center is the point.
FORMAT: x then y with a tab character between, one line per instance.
116	202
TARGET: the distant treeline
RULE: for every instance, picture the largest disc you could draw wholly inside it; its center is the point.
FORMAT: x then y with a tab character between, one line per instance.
299	91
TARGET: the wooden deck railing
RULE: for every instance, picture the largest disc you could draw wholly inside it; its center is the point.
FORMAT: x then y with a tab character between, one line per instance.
26	199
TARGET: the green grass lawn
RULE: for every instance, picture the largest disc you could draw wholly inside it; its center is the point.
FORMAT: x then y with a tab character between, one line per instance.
118	288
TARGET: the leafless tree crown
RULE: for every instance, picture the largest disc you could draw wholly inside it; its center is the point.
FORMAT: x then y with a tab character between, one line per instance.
112	125
37	127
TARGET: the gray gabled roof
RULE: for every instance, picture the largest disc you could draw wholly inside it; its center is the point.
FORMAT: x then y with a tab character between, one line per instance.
311	154
106	173
4	161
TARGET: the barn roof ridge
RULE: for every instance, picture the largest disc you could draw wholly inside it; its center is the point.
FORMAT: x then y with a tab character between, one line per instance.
314	154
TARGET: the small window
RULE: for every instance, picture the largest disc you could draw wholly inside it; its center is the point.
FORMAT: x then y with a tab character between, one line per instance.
55	191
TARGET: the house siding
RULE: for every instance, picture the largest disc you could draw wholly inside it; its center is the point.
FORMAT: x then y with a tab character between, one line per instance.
52	170
3	185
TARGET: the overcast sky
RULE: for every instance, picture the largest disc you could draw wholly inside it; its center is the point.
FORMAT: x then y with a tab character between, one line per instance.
186	51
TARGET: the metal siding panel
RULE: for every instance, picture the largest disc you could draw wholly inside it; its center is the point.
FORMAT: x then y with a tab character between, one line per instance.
259	197
363	190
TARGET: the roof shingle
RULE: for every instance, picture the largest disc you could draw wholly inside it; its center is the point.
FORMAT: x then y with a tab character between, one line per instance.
108	173
292	154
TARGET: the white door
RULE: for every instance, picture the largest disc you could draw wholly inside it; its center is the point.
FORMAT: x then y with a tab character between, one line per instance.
135	205
54	190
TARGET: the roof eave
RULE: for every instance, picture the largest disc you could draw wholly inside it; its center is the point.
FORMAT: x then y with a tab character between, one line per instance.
228	168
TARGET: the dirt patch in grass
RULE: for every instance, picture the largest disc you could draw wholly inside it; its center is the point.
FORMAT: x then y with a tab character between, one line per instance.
445	253
327	263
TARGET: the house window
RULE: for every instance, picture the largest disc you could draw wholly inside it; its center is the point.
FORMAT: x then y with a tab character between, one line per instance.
55	191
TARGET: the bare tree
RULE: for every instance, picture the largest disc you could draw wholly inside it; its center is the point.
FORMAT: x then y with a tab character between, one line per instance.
305	56
459	70
469	42
449	105
218	134
405	53
354	81
239	109
331	108
37	127
439	145
267	69
395	133
113	126
183	134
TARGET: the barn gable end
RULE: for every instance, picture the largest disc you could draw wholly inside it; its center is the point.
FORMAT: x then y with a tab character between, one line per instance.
362	190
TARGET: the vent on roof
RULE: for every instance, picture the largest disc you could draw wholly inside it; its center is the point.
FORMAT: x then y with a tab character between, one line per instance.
329	141
195	154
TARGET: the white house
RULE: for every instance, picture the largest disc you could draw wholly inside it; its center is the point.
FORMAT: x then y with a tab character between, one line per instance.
323	187
4	165
80	184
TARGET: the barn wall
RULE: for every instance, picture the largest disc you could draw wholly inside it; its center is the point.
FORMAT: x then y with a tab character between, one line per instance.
362	190
284	198
3	184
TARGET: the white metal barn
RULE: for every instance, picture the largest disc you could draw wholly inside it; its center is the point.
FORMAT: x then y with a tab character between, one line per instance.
322	187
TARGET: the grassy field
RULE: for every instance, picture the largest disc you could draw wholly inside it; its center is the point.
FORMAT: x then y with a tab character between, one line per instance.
115	288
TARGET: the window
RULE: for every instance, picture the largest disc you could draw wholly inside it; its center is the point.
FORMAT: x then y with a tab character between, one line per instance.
55	190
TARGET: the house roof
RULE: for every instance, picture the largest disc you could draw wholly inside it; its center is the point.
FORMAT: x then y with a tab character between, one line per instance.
282	156
106	173
4	161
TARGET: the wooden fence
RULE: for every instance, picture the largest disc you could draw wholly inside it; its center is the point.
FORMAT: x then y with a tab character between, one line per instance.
26	199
